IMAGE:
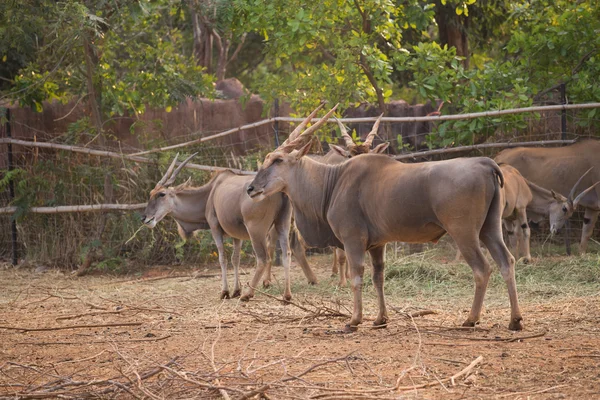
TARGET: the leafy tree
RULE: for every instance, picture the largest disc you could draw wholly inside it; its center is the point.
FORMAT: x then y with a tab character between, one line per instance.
331	49
121	56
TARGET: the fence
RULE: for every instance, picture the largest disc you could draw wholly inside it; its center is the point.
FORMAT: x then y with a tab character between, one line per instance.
68	203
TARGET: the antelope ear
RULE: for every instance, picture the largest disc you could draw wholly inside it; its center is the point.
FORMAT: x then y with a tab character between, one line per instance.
558	196
381	148
304	150
340	150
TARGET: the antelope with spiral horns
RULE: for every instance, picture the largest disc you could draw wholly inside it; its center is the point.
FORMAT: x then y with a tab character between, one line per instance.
223	207
336	155
368	201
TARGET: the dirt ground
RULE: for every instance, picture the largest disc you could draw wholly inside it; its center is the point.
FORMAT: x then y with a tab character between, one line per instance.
171	337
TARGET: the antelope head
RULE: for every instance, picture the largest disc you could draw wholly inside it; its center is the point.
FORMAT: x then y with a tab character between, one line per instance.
352	149
563	207
162	197
278	165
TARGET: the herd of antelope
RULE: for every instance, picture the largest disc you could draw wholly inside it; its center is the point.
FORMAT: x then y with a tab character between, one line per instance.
357	200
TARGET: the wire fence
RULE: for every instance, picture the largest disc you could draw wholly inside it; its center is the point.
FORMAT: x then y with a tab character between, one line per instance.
74	201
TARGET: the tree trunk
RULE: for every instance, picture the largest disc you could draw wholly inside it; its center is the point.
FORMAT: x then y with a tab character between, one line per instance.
453	29
371	78
199	42
95	102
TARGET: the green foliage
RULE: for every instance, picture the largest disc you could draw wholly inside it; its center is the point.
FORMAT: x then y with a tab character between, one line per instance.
322	51
139	54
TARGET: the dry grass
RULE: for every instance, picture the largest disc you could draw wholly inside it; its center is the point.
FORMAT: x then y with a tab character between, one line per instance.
189	344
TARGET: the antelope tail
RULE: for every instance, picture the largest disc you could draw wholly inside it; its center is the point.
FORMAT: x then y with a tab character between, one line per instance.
499	175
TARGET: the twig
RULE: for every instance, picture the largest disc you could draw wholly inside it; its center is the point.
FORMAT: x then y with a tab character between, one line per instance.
531	392
422	313
156	339
58	328
212	358
198	383
83	359
293	377
88	314
495	339
451	379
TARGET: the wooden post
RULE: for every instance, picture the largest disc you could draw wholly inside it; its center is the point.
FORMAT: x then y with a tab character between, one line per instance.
276	123
277	260
11	191
563	126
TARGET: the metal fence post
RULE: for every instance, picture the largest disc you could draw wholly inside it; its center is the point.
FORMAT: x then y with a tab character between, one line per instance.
563	127
11	190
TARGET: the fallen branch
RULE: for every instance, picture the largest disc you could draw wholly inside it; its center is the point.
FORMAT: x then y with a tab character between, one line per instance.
530	392
293	377
317	312
88	314
451	379
151	339
198	383
252	393
58	328
495	339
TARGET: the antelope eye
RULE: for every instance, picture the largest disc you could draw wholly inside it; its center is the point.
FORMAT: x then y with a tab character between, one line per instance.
278	160
161	194
565	209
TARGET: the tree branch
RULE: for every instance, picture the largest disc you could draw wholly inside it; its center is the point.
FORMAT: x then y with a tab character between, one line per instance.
371	78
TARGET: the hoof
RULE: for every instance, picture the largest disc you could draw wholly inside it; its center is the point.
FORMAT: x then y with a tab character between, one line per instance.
287	298
237	293
343	283
246	297
334	274
266	283
380	324
313	282
350	328
470	324
224	294
526	260
516	324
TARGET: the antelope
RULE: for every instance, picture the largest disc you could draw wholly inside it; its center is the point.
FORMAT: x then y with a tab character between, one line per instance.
559	168
223	207
336	155
524	200
368	201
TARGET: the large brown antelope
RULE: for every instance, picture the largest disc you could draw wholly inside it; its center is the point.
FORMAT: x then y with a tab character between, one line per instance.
368	201
336	155
559	168
524	200
223	207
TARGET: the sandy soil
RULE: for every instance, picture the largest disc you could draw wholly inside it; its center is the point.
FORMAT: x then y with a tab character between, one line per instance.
183	342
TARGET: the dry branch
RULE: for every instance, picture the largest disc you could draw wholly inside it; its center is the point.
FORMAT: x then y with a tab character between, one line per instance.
112	154
531	392
315	366
58	328
78	208
207	138
317	311
150	339
92	313
451	379
494	339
